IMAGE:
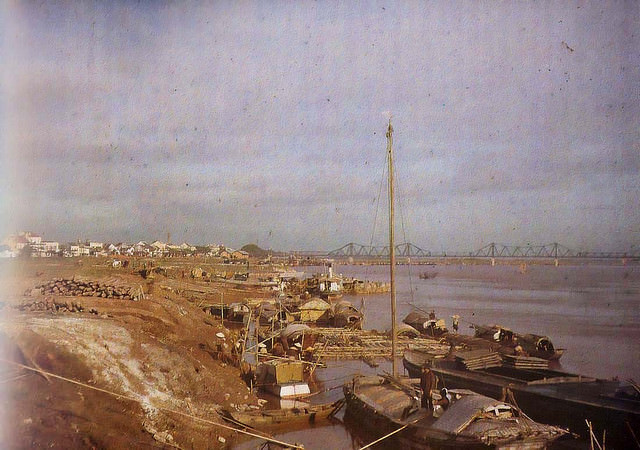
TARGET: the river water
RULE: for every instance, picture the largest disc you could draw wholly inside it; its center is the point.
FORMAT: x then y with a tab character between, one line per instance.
592	311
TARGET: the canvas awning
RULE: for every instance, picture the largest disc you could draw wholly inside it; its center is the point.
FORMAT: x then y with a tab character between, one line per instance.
316	304
295	329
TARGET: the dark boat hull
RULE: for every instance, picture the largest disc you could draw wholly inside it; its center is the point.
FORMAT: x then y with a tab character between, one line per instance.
535	345
565	404
379	412
378	425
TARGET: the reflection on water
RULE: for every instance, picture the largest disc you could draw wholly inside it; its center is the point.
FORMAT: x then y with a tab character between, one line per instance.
591	311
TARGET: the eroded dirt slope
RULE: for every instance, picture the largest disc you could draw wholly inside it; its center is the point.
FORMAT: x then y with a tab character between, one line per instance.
159	352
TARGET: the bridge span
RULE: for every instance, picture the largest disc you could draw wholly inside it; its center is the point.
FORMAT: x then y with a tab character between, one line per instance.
492	250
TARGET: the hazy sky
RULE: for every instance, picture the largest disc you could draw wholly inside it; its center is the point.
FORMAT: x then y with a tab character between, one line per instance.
238	122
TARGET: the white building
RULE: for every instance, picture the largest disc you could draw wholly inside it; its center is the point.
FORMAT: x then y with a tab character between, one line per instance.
33	239
51	247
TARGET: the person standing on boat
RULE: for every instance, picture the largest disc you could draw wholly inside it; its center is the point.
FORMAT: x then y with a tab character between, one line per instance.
427	383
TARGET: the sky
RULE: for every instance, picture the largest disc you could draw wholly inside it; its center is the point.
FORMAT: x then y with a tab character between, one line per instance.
264	122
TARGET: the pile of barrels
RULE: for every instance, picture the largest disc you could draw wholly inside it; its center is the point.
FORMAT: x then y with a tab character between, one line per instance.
80	288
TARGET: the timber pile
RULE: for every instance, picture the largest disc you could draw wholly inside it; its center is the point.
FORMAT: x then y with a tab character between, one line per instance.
53	305
340	343
479	359
80	288
525	362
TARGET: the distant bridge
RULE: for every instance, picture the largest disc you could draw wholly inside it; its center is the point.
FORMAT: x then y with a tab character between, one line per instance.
354	250
553	250
492	250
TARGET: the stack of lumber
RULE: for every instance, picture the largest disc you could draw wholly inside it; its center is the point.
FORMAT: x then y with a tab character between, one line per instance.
86	288
479	359
340	343
525	362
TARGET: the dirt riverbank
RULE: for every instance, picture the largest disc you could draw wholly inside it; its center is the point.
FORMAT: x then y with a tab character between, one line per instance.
158	353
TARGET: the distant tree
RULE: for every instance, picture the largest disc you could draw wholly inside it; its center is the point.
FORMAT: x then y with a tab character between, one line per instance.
25	252
254	251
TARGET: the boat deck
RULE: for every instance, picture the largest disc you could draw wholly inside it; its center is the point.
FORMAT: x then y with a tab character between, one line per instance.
386	404
546	395
400	403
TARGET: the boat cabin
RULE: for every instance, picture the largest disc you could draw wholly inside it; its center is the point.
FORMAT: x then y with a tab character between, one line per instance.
283	378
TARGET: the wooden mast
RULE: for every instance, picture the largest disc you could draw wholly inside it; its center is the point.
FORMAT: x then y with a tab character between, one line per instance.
392	253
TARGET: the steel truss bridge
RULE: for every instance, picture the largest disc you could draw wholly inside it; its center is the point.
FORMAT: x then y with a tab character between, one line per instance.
492	250
355	250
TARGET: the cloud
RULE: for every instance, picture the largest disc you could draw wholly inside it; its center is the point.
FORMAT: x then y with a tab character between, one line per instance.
232	122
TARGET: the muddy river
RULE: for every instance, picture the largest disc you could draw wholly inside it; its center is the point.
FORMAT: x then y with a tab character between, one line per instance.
592	311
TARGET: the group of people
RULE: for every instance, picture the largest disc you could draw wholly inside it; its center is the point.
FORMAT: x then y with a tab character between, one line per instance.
429	383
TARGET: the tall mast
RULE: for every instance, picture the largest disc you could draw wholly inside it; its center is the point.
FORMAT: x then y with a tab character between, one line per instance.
392	253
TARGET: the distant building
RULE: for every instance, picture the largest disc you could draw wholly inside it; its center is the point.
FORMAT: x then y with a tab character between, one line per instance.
51	246
32	238
122	248
239	255
112	249
46	249
142	249
187	247
159	245
37	247
19	241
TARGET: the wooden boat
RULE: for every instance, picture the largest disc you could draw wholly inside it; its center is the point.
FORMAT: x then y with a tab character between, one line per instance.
249	284
407	330
345	315
234	312
324	284
428	275
315	310
532	344
427	325
388	404
304	413
271	314
545	395
283	378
